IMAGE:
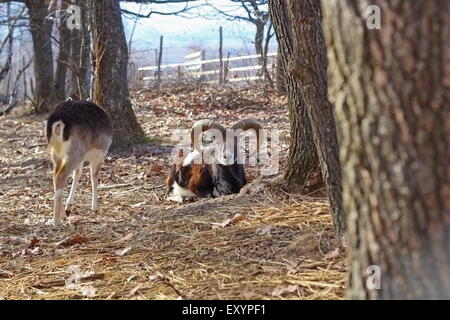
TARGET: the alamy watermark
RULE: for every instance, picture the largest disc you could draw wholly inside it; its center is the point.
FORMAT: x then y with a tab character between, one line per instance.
373	19
71	15
236	146
74	17
373	281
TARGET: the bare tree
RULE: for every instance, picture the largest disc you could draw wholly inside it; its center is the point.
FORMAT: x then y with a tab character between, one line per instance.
64	53
12	21
110	72
183	10
41	31
40	24
9	41
257	13
12	100
80	54
302	158
307	64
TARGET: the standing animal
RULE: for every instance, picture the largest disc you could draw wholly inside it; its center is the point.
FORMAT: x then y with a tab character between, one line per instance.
77	131
224	176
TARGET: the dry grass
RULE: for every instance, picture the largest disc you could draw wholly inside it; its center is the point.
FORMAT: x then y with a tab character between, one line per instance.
143	247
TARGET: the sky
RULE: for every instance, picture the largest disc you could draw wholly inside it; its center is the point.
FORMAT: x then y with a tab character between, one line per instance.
196	31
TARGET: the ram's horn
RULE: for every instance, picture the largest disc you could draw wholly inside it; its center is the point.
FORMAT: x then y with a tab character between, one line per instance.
247	124
201	126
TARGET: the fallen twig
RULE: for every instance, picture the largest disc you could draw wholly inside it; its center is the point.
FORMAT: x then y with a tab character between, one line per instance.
120	185
59	283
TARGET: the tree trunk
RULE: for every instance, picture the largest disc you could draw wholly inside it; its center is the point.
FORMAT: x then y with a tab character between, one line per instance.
302	159
75	60
260	49
281	72
85	57
308	66
391	90
5	69
80	55
63	57
259	39
265	66
111	62
41	29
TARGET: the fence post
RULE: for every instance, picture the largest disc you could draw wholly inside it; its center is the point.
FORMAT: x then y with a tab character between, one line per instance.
221	56
202	68
158	81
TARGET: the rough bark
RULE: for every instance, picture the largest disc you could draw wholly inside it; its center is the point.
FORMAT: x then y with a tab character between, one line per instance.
391	88
41	29
302	159
281	73
111	61
63	56
308	66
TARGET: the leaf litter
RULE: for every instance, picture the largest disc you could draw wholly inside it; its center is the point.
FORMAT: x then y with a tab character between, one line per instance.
263	244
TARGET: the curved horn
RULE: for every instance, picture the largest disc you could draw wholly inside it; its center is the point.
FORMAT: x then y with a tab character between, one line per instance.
247	124
201	126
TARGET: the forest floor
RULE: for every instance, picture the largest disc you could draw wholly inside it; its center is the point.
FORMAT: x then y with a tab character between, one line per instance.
263	244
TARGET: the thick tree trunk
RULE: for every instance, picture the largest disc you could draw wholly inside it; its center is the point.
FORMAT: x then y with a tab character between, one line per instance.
281	72
308	66
41	29
111	61
63	56
391	90
302	159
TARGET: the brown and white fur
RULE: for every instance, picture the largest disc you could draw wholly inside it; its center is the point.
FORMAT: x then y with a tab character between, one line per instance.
77	132
189	180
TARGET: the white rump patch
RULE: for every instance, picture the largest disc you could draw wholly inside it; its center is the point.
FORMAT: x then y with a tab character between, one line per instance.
58	129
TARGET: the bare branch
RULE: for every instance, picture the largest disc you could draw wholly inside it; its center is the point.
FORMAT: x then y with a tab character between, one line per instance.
157	1
139	15
9	39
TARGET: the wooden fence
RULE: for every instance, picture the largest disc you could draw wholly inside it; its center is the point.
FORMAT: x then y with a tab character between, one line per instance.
235	69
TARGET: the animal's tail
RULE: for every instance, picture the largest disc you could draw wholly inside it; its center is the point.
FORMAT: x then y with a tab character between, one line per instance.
55	130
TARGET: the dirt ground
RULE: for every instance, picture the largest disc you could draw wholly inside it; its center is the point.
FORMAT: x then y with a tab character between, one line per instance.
263	244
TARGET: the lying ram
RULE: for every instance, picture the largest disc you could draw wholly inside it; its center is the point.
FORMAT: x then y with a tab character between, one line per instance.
224	175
